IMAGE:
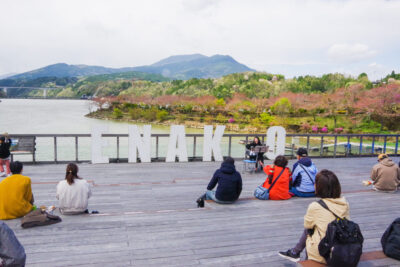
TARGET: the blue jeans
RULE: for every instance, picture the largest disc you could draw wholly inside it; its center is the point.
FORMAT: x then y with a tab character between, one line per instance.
301	194
210	195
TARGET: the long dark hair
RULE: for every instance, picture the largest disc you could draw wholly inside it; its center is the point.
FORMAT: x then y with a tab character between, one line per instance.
279	161
71	173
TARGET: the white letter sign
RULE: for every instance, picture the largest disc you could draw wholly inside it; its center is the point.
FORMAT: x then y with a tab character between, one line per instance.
137	144
212	144
177	144
98	144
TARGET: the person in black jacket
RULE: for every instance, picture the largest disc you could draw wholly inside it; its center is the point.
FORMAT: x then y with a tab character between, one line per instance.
229	184
258	157
5	143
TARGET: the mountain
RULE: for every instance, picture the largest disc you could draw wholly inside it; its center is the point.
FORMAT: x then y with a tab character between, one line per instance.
177	59
6	75
65	70
195	66
176	67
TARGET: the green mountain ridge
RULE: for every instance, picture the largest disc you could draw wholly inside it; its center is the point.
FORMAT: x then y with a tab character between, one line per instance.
175	67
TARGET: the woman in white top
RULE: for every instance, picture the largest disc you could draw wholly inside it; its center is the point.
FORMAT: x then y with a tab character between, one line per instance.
73	193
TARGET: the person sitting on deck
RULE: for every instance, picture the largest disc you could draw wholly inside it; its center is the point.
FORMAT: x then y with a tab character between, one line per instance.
73	193
229	184
16	198
258	157
385	175
280	190
317	218
303	176
12	253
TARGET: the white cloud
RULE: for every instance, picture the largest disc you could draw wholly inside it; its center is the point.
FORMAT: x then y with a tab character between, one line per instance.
259	33
350	52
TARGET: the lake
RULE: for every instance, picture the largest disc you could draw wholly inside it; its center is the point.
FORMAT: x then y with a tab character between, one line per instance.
42	116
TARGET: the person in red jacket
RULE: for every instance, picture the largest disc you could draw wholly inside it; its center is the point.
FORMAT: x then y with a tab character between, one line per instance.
280	190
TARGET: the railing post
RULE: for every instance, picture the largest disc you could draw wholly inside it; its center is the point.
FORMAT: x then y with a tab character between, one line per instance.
55	149
157	147
34	150
117	148
230	145
76	149
373	145
335	147
384	144
308	143
194	147
321	149
361	144
348	146
396	146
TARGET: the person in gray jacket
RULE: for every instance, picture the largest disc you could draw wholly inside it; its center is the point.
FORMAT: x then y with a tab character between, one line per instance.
12	253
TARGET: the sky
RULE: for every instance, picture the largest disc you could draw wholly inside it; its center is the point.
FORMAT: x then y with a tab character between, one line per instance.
290	37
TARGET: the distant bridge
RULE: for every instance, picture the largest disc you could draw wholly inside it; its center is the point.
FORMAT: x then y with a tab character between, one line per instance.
44	89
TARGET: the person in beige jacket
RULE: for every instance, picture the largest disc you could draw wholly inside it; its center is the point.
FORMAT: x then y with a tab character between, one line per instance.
317	218
385	175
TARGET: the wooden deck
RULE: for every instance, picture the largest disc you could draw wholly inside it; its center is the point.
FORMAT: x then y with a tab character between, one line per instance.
148	217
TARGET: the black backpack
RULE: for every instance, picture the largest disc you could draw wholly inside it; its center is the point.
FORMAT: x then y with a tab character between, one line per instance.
391	240
343	242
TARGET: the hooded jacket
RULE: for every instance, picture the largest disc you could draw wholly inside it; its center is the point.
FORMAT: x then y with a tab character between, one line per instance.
386	175
301	180
318	218
229	183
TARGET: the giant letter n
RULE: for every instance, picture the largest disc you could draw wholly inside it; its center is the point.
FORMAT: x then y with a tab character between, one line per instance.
137	144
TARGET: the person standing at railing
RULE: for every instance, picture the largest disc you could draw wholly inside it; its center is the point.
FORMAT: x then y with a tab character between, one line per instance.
385	175
5	143
303	176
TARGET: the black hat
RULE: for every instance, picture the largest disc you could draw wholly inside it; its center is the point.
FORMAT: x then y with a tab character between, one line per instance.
302	152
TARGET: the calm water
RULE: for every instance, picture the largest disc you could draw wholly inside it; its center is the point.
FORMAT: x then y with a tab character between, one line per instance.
31	116
35	116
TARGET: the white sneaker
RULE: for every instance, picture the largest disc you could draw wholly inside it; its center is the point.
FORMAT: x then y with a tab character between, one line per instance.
3	174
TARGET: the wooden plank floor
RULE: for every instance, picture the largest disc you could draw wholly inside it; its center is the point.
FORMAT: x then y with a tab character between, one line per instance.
148	217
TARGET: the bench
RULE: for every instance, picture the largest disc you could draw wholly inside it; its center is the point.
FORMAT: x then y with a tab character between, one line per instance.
366	256
23	145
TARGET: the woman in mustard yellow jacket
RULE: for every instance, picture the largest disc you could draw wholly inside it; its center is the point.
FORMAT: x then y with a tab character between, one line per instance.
16	198
317	218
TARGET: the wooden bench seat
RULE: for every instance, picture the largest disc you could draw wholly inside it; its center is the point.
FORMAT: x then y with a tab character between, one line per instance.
25	145
366	256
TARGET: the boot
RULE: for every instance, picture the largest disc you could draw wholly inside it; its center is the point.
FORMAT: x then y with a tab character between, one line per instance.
200	201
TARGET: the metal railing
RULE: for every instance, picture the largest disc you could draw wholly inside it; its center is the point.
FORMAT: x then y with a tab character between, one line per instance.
60	148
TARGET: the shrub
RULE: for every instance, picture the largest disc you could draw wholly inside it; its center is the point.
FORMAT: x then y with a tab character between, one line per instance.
314	129
220	118
338	130
135	113
117	113
266	118
324	129
162	115
150	114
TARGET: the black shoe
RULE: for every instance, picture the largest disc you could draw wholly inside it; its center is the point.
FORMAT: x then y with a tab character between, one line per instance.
200	202
290	255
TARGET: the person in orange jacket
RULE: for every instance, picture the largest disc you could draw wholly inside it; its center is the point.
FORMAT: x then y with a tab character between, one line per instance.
280	190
